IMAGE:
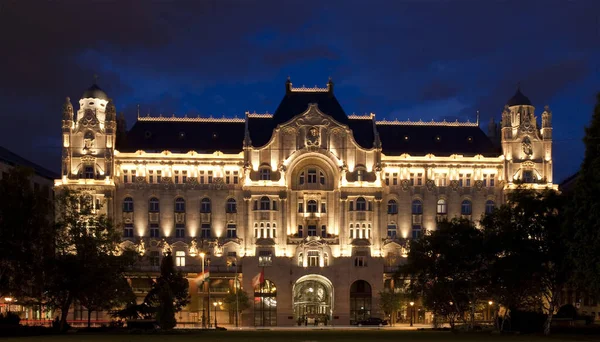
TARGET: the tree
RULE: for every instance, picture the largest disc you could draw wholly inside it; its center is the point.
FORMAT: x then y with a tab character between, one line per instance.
26	237
391	301
583	211
449	266
242	303
169	293
529	233
83	240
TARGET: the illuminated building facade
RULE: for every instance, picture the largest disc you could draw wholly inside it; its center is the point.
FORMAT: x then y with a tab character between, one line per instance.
324	202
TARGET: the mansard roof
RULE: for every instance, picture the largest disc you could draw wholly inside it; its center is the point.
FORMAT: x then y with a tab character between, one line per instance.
206	135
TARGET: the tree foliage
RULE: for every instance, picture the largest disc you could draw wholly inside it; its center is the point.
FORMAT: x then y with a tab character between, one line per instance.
391	301
583	214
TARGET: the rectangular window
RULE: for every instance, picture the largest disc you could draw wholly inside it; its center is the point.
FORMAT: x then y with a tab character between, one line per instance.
300	207
312	230
210	177
201	177
464	179
324	231
227	177
265	258
154	231
274	205
205	231
419	179
128	231
322	178
180	258
231	231
235	177
313	258
125	177
441	179
184	177
527	176
416	232
176	177
360	261
351	206
323	207
265	174
387	179
299	230
158	176
150	176
312	176
179	231
89	172
391	231
154	258
395	179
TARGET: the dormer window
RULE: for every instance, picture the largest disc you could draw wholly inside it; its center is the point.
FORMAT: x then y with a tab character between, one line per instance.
265	173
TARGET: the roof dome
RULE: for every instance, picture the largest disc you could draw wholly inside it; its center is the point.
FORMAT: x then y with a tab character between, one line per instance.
94	92
519	99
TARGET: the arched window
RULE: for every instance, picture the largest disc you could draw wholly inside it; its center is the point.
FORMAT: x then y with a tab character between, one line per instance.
361	204
466	207
489	206
352	231
180	205
154	206
311	206
128	204
231	206
360	301
417	207
265	203
205	205
442	207
392	207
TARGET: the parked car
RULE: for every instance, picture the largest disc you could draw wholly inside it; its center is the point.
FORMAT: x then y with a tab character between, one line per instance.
372	321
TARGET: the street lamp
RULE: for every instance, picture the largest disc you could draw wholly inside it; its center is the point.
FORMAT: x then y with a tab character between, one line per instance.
215	305
490	310
202	255
411	313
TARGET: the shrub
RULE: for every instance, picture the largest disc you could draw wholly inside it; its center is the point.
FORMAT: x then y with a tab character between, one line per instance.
10	318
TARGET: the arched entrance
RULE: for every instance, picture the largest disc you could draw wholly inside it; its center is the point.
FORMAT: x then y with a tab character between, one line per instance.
360	301
313	300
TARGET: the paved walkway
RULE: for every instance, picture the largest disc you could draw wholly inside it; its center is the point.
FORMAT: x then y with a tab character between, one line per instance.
335	327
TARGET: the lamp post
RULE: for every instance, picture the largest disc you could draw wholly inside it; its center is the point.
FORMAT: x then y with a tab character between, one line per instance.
215	305
235	283
490	310
411	312
203	315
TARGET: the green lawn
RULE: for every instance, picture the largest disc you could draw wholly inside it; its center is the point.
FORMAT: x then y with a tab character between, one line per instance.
301	336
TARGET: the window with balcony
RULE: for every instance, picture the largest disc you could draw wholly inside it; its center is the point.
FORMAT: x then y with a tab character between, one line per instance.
179	230
265	203
527	176
154	205
360	174
361	204
442	207
180	258
128	230
311	206
416	179
88	171
312	230
466	207
489	180
179	205
154	230
128	205
392	207
265	173
205	231
205	205
489	207
392	231
231	206
441	179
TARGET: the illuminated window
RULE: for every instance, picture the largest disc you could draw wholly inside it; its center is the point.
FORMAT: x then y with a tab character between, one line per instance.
205	205
128	204
180	258
489	180
464	179
441	179
313	258
416	179
265	258
442	207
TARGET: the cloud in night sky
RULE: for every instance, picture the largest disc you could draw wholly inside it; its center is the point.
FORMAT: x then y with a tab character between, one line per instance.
405	59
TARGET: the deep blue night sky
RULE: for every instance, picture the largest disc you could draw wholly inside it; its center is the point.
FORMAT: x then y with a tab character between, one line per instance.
405	59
